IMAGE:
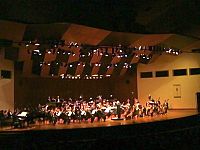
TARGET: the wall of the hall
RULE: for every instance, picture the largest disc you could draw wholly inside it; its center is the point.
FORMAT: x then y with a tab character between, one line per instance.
164	87
6	85
35	90
126	86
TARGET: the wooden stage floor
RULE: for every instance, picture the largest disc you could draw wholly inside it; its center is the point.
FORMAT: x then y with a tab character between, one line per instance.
172	114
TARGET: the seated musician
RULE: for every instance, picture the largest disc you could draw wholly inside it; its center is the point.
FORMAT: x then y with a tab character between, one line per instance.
135	101
136	109
127	105
49	99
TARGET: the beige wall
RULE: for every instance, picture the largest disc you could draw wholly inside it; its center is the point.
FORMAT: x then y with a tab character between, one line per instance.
163	87
6	85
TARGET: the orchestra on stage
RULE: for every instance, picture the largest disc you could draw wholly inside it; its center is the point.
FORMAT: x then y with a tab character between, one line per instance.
66	111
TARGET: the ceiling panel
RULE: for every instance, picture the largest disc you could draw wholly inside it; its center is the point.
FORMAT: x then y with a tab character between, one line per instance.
85	35
116	38
12	31
45	31
151	40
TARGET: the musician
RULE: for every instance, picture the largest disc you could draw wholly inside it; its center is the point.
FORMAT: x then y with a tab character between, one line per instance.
58	99
165	106
135	101
136	109
127	105
9	114
49	99
16	122
118	109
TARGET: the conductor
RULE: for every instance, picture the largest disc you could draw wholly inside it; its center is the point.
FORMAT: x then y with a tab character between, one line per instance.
118	109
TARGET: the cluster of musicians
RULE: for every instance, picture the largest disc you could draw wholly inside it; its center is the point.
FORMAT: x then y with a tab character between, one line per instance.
58	110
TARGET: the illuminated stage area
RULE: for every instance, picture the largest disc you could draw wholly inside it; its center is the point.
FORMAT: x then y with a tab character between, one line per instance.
172	114
177	127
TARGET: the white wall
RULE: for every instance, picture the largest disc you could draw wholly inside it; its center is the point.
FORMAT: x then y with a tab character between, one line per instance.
163	87
6	85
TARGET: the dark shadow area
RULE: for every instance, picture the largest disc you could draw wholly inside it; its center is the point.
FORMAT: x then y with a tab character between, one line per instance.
182	133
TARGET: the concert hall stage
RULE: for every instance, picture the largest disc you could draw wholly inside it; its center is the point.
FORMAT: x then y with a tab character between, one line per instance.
171	130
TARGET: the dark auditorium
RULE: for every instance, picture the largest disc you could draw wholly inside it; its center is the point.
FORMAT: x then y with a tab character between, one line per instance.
99	74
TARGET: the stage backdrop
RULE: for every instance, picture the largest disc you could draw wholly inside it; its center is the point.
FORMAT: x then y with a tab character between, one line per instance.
35	90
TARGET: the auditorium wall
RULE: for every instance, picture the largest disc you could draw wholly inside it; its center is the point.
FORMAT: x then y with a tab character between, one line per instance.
126	86
6	85
35	90
180	90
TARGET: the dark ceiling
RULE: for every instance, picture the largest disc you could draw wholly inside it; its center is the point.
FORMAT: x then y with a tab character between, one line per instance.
149	25
139	16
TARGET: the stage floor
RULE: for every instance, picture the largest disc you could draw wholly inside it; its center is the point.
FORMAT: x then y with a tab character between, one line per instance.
172	114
